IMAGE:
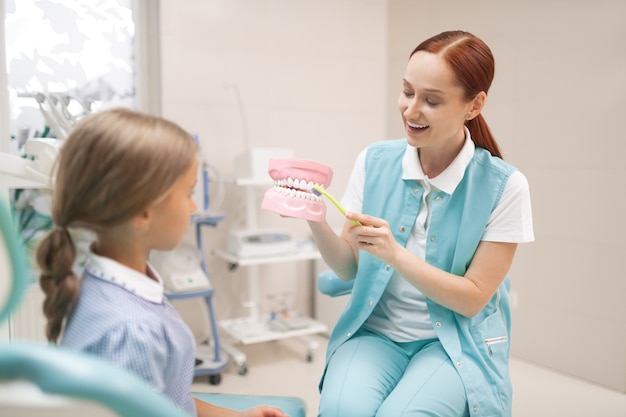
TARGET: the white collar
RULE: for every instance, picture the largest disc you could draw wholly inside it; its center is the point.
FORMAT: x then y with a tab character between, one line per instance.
448	180
139	284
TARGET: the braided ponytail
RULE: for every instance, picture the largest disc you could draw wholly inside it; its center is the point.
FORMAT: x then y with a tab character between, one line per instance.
55	256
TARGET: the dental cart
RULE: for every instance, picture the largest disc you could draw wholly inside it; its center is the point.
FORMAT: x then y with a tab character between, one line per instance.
257	327
210	358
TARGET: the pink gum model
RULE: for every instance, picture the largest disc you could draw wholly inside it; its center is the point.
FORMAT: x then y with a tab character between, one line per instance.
291	195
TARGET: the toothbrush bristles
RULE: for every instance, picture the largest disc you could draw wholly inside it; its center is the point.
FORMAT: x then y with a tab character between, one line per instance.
314	190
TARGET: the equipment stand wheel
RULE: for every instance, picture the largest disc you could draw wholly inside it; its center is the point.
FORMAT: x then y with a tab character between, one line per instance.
242	369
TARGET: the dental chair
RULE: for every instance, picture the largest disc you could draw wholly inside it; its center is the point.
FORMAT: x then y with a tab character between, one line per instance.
39	379
328	283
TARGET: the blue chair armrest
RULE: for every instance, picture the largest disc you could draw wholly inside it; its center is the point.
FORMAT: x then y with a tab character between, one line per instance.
330	284
292	406
72	374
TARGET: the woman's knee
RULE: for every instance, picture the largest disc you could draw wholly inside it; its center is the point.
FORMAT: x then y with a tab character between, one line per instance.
347	406
430	386
359	376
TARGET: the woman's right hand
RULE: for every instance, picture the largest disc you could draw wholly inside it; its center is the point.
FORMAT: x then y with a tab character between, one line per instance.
374	237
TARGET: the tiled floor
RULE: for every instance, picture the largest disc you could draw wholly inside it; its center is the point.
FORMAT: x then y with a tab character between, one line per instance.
281	368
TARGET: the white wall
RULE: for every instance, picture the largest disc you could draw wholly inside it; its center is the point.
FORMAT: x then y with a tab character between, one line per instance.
557	107
311	77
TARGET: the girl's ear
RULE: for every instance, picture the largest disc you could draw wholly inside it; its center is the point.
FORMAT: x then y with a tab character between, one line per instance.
477	105
142	220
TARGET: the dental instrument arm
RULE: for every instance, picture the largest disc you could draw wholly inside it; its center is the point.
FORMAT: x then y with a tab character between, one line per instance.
35	169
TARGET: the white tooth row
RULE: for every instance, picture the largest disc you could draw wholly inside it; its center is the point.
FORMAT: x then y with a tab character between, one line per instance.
297	184
295	188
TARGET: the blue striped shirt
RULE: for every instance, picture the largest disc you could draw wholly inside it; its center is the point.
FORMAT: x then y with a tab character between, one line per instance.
123	316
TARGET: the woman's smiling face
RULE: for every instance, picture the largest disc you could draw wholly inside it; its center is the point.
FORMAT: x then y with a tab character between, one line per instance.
432	104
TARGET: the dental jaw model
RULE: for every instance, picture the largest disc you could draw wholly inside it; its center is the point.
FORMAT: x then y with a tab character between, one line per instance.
291	195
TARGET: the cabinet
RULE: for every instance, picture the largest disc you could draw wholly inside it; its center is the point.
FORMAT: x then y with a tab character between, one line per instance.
257	327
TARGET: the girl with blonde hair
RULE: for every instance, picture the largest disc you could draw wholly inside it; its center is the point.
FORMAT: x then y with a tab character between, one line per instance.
127	177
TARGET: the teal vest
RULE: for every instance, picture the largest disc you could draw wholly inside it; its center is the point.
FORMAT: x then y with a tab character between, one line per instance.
477	346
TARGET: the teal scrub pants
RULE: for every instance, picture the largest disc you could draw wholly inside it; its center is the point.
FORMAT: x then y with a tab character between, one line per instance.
370	375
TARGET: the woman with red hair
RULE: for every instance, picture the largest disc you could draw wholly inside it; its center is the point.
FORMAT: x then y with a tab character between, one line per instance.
426	332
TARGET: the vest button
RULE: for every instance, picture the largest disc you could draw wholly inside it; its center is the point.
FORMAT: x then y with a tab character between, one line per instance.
475	409
369	303
438	324
416	191
432	238
402	229
387	267
438	198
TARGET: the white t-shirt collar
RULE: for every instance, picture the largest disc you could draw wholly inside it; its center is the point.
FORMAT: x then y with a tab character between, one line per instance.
450	178
139	284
